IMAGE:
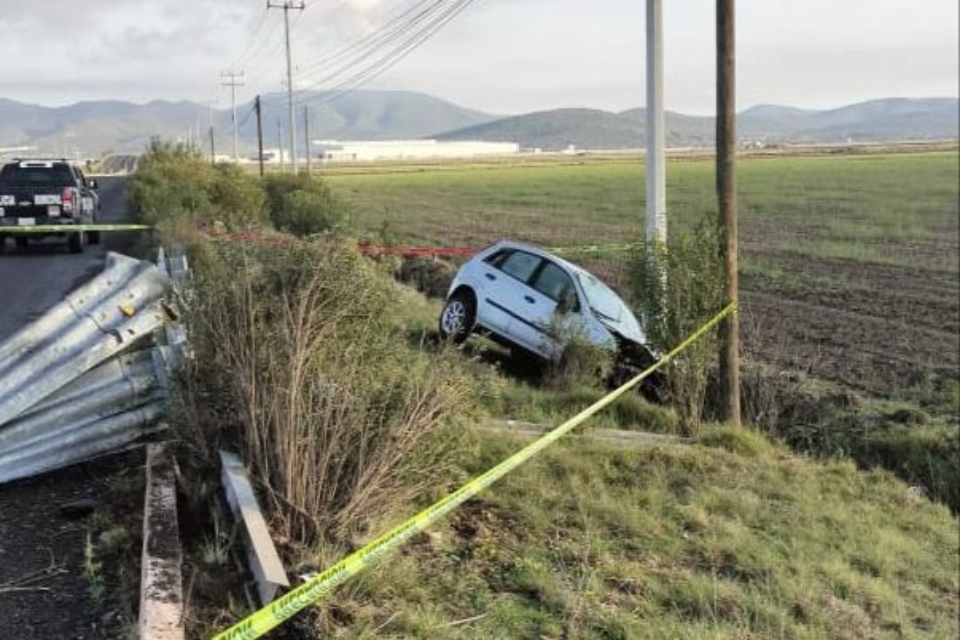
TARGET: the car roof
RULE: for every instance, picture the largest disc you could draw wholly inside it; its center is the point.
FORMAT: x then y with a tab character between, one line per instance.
543	253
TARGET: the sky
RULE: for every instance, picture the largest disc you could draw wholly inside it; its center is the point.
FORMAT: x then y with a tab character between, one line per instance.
499	56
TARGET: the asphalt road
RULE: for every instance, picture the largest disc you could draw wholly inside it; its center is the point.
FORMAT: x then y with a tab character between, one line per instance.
34	279
47	591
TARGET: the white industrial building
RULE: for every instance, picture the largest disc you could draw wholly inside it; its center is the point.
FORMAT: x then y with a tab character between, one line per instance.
374	150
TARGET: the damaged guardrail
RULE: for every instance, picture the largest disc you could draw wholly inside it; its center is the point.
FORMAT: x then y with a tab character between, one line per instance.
92	374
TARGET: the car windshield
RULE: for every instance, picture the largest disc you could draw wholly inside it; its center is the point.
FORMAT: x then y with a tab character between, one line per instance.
42	176
601	298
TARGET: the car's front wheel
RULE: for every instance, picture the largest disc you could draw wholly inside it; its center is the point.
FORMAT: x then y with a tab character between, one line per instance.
458	317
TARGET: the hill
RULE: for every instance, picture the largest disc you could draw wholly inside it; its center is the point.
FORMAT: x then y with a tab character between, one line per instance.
887	120
91	128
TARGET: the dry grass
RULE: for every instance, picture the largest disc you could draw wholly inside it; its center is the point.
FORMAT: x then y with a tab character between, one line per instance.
337	417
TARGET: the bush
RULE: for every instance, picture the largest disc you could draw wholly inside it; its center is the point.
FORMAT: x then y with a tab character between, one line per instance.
430	277
335	415
678	290
175	188
303	205
172	185
240	201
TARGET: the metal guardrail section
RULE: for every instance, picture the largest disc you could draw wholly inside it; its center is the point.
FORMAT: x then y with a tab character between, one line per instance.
88	377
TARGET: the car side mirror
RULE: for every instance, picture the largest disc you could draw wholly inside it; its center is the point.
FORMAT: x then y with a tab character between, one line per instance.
93	184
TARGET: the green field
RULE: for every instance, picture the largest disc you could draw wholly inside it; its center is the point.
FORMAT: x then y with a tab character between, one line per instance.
849	262
887	208
850	307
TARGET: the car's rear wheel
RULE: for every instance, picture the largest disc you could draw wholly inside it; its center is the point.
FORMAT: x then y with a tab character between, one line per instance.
458	317
75	242
21	241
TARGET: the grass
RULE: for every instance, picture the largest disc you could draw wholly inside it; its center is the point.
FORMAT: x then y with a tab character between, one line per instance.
858	252
805	205
733	538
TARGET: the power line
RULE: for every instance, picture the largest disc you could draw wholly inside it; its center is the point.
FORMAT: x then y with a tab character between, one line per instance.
233	80
399	42
287	6
372	39
253	39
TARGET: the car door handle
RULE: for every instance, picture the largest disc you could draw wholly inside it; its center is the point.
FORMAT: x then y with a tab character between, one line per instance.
490	276
529	299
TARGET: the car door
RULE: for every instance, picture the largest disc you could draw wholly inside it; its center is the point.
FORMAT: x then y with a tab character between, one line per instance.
557	309
508	296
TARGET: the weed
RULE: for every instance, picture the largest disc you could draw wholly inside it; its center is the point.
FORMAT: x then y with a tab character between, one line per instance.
679	287
337	417
93	571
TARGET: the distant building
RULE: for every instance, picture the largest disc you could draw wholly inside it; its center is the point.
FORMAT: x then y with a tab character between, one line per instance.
374	150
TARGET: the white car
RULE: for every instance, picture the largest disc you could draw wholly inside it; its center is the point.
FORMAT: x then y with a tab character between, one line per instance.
527	297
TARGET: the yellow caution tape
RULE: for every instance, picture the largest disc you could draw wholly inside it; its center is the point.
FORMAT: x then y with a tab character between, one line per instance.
257	624
595	248
44	229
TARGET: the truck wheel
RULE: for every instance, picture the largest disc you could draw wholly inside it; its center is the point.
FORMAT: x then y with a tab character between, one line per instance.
75	242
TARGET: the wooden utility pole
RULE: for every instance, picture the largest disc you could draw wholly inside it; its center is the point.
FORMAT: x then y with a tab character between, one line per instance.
259	109
306	136
727	197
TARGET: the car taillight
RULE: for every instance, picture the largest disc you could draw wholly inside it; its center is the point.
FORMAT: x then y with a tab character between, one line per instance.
67	200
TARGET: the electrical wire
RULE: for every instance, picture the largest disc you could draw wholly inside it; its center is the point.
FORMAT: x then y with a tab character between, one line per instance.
396	44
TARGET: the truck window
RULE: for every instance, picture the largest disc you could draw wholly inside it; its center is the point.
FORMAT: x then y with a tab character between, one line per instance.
56	176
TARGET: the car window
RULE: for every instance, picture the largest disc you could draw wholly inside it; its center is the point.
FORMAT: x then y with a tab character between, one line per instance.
497	259
41	176
520	265
553	282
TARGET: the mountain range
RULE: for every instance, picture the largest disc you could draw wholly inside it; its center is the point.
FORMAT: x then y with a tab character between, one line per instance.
97	127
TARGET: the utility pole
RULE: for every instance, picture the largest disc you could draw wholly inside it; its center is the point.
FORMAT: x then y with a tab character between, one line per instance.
259	133
233	80
286	6
213	153
306	135
727	197
280	142
656	219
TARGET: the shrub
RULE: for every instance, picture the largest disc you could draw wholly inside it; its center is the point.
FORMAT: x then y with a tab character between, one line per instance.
175	188
679	287
335	415
582	363
303	205
240	201
430	277
172	185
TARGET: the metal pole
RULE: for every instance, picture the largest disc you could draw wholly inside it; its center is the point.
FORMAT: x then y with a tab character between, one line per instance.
306	135
233	80
259	134
727	198
656	219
